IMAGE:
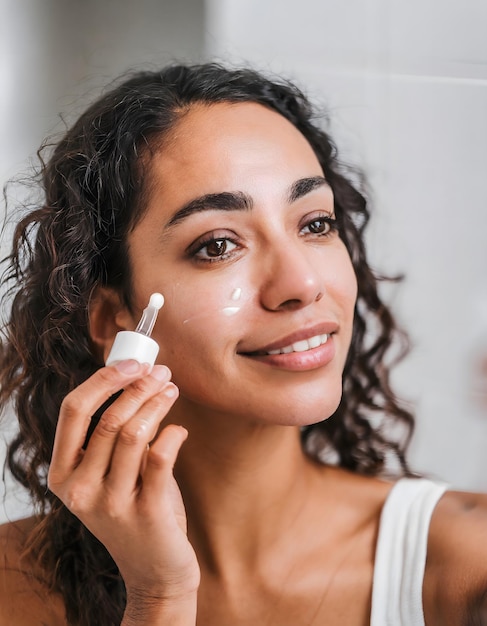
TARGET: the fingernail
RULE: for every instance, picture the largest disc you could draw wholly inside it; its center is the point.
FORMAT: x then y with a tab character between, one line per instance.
185	432
128	367
170	390
160	372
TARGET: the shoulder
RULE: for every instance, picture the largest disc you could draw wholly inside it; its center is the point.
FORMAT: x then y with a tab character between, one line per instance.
456	568
24	600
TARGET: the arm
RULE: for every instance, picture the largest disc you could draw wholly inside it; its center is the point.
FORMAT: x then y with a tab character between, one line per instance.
125	493
478	611
455	586
24	599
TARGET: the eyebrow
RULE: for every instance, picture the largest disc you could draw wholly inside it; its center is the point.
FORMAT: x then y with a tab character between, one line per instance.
303	186
240	201
224	201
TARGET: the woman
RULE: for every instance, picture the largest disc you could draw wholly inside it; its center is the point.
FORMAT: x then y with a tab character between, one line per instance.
215	188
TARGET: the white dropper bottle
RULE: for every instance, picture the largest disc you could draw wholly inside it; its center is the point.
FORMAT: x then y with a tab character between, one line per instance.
137	344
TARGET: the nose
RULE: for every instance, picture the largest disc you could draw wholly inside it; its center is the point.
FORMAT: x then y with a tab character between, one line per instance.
293	279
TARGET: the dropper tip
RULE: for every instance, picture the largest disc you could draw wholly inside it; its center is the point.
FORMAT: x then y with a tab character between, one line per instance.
156	300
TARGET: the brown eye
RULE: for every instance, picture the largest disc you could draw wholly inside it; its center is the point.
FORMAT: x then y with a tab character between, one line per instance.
322	225
218	247
318	227
214	249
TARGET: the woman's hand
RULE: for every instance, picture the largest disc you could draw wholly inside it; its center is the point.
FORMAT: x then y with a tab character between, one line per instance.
123	490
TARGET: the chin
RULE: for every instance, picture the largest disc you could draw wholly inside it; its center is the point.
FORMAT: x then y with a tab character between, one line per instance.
303	411
299	405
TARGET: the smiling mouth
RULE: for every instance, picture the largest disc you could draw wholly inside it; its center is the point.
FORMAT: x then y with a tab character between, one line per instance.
298	346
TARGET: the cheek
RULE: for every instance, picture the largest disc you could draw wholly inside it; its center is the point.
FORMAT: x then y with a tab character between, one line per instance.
342	283
201	323
208	304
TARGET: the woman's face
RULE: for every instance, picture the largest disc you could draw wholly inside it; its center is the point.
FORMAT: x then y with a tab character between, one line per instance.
259	288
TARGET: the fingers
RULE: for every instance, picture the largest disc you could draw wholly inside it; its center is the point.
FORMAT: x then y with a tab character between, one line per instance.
77	409
161	459
130	451
116	422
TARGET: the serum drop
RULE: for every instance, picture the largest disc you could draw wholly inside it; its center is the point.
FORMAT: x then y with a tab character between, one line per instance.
137	344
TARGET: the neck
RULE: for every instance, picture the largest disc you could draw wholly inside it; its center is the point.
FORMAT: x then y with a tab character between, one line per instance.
243	485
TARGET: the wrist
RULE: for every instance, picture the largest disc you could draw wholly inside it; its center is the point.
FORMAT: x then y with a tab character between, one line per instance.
143	609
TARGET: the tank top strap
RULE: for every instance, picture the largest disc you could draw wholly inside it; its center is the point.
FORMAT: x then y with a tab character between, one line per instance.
400	558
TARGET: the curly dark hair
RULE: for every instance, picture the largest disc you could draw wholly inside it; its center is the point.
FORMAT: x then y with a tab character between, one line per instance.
94	184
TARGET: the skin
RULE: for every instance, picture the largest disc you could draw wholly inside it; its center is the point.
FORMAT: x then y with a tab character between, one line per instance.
259	518
276	267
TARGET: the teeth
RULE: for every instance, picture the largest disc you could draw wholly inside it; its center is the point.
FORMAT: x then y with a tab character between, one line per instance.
302	346
314	342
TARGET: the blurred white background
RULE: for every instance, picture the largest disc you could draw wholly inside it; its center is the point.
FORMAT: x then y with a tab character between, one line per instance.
405	87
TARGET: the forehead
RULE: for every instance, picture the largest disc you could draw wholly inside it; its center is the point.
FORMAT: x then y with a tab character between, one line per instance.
220	146
230	120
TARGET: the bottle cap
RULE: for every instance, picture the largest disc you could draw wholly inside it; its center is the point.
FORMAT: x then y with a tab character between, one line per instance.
131	345
137	344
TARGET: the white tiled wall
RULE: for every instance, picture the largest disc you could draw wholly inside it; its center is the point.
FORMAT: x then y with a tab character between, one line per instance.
405	84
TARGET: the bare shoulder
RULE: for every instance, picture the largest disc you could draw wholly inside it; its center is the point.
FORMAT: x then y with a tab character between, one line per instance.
24	601
456	569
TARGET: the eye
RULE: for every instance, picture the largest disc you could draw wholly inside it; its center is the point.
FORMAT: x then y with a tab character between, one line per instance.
217	247
321	225
213	249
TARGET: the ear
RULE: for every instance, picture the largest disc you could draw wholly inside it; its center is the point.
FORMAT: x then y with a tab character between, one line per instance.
107	315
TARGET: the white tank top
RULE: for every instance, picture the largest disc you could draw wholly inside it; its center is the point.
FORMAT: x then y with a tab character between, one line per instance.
397	592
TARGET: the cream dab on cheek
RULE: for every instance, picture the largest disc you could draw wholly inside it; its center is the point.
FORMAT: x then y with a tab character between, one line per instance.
228	310
231	310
